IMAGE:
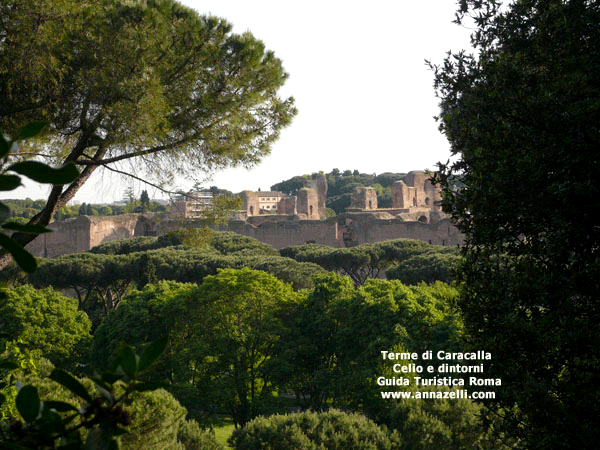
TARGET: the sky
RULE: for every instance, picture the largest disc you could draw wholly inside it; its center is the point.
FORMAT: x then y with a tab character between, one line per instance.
358	75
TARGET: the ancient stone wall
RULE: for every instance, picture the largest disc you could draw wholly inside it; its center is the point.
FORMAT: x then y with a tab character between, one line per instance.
68	236
82	233
286	233
301	219
250	204
318	184
417	192
287	205
364	198
345	230
308	203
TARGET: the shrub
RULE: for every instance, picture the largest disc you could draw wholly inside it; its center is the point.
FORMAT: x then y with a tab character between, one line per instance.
332	430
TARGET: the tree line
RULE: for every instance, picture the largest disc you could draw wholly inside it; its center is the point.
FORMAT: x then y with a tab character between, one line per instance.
242	342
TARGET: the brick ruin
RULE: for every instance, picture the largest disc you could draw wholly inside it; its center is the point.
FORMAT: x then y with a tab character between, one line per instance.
300	219
308	204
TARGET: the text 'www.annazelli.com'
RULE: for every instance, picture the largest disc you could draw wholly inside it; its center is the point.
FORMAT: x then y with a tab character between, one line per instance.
460	393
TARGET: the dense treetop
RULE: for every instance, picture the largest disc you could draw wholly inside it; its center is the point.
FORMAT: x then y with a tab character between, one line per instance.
522	117
154	81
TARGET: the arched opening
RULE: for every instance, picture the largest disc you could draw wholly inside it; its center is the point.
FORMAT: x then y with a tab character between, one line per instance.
311	210
252	210
423	219
370	204
427	201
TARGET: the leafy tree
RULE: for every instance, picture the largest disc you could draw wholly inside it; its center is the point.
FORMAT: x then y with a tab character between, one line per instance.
145	315
330	353
105	210
145	199
228	243
436	265
44	320
291	186
363	261
240	318
299	274
522	118
160	424
306	252
100	280
113	77
222	335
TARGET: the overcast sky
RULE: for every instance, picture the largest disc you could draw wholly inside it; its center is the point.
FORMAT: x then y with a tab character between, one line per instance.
357	72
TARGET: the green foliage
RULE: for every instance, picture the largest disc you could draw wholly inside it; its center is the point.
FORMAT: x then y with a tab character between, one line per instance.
333	430
75	417
435	265
291	186
440	423
190	237
99	281
156	310
12	357
159	424
45	320
240	313
223	334
522	119
330	354
194	438
126	246
110	83
372	260
228	243
300	275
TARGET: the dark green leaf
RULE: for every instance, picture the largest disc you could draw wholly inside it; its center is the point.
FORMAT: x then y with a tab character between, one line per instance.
71	383
33	229
151	353
128	361
28	403
9	182
59	406
119	432
8	365
42	173
30	130
23	258
109	377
